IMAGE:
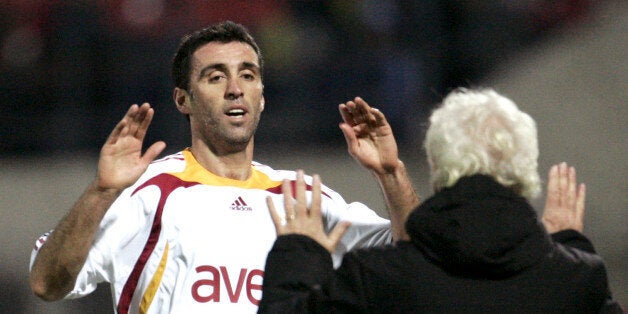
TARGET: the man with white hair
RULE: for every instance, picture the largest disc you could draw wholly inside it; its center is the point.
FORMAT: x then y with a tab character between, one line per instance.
475	246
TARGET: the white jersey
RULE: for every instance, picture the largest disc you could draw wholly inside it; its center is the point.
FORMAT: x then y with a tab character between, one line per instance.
183	240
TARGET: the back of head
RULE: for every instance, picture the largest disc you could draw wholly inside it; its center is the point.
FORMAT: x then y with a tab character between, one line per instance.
482	132
224	32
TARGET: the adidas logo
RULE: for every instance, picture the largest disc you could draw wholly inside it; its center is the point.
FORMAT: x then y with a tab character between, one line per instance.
240	204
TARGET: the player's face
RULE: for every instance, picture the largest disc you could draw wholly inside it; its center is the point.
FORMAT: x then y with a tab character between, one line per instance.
225	98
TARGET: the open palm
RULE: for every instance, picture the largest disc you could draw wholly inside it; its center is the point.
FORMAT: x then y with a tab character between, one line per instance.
121	161
369	137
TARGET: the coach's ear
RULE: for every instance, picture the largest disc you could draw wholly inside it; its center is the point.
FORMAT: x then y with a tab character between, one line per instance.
182	100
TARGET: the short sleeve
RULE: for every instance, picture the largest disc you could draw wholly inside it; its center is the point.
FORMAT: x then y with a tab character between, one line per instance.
367	227
115	249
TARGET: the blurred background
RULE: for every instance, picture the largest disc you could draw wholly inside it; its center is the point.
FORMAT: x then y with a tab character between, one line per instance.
70	69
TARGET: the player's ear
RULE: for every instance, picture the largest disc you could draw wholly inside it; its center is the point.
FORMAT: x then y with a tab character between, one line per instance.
181	99
261	104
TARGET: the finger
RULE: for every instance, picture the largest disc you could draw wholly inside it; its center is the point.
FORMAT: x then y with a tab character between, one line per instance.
345	113
273	214
361	105
122	128
117	131
337	233
352	112
379	117
315	207
350	137
368	112
153	151
580	203
287	199
144	121
301	208
136	118
563	183
552	188
571	186
363	111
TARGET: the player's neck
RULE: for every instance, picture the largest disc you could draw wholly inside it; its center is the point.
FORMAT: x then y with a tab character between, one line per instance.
233	165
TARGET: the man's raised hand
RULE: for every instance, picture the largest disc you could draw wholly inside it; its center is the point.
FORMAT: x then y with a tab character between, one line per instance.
369	137
564	208
121	161
298	218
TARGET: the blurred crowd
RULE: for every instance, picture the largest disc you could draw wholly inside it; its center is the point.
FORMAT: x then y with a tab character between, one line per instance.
70	69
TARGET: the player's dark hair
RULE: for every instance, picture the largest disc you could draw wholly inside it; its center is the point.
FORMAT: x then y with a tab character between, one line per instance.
224	32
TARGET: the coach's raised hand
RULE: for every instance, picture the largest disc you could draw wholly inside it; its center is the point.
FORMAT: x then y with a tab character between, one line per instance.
564	208
370	141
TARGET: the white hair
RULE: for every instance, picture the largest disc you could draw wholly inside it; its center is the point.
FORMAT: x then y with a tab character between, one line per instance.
483	132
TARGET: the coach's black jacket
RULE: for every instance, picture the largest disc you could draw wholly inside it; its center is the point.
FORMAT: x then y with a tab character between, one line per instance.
476	247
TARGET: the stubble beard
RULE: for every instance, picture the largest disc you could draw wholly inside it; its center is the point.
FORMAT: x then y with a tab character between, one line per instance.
216	134
233	139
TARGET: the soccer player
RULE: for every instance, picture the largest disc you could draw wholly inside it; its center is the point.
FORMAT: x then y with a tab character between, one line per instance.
190	232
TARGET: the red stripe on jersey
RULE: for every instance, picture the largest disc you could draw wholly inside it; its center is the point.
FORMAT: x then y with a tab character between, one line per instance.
40	242
166	183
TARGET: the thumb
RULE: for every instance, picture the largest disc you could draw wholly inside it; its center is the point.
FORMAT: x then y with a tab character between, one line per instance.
153	151
350	138
336	234
348	132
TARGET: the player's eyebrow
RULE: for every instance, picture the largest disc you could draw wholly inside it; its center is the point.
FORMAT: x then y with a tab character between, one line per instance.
223	67
211	67
250	65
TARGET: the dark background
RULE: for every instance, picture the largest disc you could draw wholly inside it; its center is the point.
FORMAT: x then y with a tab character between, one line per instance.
70	69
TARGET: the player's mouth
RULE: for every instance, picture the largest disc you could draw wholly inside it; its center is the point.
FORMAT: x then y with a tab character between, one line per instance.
236	112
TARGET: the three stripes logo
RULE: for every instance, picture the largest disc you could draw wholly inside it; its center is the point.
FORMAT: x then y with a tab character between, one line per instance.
240	205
